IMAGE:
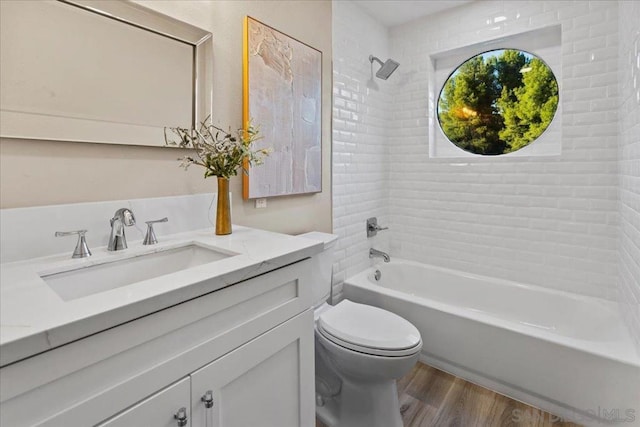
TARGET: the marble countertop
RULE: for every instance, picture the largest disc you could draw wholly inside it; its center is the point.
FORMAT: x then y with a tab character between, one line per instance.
34	318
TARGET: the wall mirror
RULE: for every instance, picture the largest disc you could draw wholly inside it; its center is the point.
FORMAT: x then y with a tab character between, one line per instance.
100	71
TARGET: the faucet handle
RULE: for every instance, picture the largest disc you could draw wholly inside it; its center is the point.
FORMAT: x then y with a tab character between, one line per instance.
373	227
81	250
150	238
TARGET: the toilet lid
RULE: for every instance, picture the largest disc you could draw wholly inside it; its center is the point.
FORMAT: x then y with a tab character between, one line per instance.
369	329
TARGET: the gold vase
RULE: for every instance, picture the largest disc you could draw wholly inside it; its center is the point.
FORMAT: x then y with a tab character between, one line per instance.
223	211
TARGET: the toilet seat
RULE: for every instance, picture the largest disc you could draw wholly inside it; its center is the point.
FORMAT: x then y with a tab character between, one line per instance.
369	330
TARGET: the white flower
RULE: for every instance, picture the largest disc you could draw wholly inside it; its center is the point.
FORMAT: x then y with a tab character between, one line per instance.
219	152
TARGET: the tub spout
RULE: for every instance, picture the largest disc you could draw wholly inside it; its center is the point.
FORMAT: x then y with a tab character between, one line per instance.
373	253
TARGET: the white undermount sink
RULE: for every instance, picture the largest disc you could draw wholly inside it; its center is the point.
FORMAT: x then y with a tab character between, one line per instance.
82	282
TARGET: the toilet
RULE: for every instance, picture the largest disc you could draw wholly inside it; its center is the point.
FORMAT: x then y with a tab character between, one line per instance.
360	351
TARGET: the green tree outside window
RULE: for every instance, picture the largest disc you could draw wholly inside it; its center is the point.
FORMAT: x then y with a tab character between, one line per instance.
498	102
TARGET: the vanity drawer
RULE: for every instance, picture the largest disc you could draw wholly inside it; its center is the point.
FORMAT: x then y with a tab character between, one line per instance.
86	381
158	410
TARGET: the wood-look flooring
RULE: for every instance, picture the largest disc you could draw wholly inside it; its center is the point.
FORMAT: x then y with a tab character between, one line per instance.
433	398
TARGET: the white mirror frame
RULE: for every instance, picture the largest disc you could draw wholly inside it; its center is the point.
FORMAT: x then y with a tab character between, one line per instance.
141	17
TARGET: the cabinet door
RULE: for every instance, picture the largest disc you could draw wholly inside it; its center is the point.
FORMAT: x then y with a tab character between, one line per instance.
267	382
158	410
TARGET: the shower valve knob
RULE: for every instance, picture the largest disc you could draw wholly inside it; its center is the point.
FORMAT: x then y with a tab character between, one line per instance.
373	227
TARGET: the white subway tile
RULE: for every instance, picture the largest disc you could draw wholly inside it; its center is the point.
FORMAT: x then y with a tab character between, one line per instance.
560	213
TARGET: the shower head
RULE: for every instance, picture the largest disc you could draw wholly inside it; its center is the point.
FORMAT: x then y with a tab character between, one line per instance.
387	68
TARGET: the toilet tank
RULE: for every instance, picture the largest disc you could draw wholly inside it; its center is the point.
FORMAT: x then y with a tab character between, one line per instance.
322	265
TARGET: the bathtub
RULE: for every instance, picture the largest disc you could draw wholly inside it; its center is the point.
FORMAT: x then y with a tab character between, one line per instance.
567	354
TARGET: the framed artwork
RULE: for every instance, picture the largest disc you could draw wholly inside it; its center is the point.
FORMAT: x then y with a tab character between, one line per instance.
282	90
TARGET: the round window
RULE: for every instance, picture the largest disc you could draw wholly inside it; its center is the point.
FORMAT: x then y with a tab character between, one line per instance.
498	102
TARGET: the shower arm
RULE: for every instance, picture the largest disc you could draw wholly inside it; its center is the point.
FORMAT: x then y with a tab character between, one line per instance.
373	58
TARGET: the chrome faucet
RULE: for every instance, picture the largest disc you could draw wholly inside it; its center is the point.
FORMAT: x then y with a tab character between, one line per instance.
117	240
373	253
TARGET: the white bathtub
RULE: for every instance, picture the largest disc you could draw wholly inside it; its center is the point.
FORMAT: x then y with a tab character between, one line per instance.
567	354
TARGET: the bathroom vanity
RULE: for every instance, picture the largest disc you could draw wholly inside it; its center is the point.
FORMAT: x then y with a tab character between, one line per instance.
226	342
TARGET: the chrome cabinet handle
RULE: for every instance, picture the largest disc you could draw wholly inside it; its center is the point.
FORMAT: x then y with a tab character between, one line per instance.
181	416
208	403
81	250
208	399
150	238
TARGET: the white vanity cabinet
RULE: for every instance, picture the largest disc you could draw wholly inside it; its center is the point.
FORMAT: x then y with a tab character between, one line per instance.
260	383
250	344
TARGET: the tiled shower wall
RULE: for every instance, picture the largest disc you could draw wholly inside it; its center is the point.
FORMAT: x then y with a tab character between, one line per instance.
629	165
549	221
360	130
